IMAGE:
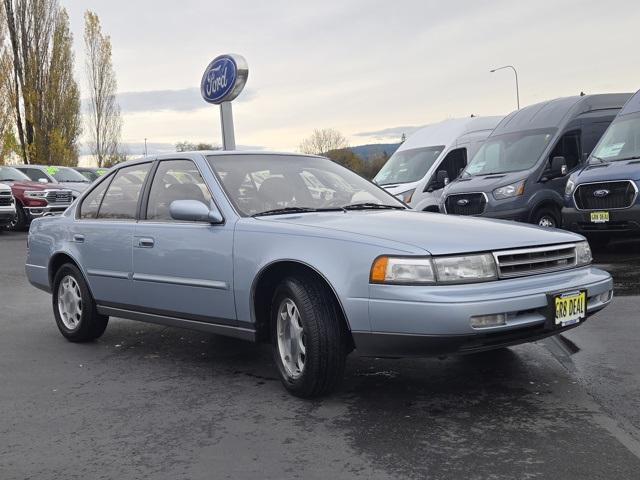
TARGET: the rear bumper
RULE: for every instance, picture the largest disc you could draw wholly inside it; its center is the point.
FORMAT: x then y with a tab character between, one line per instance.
621	222
435	320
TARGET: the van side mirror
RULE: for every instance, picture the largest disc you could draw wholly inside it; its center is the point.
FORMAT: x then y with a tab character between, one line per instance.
441	181
558	167
194	211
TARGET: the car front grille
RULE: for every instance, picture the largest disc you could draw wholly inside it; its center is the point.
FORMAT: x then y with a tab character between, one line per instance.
605	195
532	261
466	204
6	199
59	197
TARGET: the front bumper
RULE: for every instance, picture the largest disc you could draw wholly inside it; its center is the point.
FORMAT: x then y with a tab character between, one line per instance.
621	221
515	214
7	214
435	320
37	212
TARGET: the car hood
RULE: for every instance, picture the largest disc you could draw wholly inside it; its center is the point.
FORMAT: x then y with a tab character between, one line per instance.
396	188
24	185
433	232
602	172
483	183
77	187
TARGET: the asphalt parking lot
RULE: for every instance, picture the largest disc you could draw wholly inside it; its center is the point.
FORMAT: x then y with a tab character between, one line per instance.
160	403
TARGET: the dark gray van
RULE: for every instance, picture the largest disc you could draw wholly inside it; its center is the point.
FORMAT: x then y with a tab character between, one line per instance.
521	170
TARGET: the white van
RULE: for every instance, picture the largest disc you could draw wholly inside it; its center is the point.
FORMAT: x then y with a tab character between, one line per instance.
432	157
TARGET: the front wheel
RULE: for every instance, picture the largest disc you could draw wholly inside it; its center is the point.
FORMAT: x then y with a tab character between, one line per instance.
19	222
74	308
546	217
308	336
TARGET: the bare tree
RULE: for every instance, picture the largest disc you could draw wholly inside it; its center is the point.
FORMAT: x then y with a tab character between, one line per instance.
104	112
187	146
323	141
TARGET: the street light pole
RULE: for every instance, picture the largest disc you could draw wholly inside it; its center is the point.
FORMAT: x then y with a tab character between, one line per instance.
145	147
516	74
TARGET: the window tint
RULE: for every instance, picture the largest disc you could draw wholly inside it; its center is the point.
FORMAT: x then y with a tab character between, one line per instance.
91	203
175	180
121	199
568	147
453	164
34	174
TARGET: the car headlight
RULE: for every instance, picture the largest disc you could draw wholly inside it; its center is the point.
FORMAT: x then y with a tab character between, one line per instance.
508	191
35	193
583	254
406	196
440	270
568	189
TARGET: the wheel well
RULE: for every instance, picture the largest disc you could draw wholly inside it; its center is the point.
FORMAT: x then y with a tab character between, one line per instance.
265	286
56	262
432	208
547	204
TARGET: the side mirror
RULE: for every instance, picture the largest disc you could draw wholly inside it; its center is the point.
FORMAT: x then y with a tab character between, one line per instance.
441	181
43	180
194	211
558	167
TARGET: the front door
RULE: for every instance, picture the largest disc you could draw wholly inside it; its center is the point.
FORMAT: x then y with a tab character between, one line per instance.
103	234
182	269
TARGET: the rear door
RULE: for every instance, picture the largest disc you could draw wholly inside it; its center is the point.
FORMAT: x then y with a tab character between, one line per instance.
103	234
182	269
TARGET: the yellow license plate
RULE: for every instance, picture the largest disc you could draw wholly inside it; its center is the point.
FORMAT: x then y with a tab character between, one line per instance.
570	308
599	217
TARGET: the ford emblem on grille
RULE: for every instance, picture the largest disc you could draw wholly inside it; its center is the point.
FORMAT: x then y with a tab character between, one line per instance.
462	202
601	193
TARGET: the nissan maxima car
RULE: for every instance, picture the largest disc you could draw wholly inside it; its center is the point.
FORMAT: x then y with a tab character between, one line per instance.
246	244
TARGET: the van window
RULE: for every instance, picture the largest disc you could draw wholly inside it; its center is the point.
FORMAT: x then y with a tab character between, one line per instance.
453	163
621	141
407	166
510	152
568	147
121	200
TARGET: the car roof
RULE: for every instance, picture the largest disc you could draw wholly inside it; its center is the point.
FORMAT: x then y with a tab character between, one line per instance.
448	131
632	106
558	112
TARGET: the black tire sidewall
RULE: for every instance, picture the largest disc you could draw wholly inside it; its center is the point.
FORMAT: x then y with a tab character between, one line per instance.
91	324
545	212
21	220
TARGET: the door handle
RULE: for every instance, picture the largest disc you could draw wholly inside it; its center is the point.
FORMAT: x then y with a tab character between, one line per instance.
78	238
146	242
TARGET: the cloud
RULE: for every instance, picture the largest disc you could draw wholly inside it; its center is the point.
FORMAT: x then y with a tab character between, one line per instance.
390	133
183	100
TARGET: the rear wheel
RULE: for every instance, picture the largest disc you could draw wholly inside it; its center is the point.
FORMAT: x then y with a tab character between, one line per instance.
546	217
19	222
74	308
309	339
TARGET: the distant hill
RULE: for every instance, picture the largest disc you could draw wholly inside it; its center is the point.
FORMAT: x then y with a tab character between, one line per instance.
370	151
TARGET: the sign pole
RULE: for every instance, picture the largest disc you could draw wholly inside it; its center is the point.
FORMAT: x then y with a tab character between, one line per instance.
226	120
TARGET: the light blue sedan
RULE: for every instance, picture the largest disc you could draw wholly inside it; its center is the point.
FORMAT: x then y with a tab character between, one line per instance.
304	254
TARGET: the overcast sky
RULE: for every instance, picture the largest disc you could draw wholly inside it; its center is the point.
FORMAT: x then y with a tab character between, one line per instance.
369	69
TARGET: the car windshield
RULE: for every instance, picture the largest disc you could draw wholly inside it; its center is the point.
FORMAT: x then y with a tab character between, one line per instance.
621	141
10	174
407	166
510	152
89	174
66	174
279	183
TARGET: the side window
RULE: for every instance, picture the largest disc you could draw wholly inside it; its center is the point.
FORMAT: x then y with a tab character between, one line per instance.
121	200
35	174
453	164
568	147
91	203
175	180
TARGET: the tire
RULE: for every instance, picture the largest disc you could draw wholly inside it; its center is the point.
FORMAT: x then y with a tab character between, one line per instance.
77	321
19	223
321	332
546	217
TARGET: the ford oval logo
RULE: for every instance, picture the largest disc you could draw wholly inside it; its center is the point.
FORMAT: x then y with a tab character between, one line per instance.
601	193
462	202
224	78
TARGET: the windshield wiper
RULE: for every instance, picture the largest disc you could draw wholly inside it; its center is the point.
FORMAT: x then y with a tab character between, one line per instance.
371	206
285	210
601	160
634	157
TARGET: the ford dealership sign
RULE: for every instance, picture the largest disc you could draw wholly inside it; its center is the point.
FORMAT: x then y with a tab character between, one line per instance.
224	78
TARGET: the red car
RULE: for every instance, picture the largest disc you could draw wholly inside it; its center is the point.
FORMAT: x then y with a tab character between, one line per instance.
33	199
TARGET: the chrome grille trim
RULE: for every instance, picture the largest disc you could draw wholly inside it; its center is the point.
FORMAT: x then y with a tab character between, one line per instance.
59	197
603	183
533	261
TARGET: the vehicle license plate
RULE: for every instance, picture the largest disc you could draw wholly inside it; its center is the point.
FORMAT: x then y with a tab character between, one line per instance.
569	308
599	217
